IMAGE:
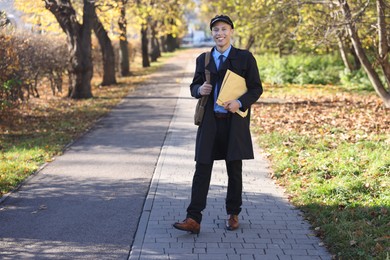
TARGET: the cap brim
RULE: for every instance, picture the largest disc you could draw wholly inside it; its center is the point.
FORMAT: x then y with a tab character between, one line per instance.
221	20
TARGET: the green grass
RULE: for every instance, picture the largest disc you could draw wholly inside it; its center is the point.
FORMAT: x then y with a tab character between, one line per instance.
326	69
342	186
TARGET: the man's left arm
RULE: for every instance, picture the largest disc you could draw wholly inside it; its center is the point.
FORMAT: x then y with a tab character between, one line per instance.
253	83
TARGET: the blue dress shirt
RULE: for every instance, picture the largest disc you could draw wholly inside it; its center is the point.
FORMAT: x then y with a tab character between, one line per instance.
216	54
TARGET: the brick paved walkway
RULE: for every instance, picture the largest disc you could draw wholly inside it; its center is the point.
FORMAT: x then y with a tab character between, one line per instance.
270	227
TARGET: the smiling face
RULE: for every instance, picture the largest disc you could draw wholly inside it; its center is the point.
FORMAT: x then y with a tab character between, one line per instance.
222	33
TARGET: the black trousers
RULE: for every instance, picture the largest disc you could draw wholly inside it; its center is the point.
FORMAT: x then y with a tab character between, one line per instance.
201	184
202	177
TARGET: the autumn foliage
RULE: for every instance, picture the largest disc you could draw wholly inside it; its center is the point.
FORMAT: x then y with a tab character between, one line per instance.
29	59
32	61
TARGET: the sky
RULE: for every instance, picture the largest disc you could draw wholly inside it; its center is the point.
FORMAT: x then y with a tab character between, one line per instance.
7	6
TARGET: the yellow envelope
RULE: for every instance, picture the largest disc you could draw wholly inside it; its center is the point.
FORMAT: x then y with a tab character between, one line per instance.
233	87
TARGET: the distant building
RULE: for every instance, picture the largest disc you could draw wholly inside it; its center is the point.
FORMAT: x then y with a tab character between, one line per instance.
197	35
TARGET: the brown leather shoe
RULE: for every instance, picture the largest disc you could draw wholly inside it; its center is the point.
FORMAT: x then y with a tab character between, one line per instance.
189	225
232	222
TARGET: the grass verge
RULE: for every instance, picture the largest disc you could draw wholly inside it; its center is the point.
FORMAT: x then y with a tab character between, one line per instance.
331	151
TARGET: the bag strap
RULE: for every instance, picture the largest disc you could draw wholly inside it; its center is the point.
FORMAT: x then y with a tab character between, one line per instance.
203	100
206	62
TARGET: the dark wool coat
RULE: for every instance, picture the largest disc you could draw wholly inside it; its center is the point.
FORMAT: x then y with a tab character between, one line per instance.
240	147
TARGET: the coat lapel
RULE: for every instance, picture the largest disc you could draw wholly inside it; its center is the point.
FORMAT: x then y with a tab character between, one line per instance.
231	59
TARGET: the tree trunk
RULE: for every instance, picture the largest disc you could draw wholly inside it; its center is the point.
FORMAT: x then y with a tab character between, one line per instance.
343	52
154	44
144	43
372	74
251	41
123	43
171	44
171	40
163	43
158	48
356	62
383	48
107	53
79	44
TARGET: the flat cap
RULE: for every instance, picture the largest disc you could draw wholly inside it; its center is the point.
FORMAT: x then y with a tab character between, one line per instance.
221	18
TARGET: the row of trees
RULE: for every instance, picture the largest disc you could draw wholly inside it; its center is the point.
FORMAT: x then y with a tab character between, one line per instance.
160	21
358	29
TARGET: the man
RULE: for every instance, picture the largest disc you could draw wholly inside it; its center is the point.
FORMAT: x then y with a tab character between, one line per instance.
223	134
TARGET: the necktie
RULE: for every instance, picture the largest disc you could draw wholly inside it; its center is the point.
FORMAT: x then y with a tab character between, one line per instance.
220	61
219	82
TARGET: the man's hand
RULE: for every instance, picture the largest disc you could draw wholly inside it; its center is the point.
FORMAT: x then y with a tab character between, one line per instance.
232	106
205	89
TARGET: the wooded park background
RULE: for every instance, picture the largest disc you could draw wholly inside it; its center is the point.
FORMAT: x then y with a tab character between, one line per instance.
356	31
323	120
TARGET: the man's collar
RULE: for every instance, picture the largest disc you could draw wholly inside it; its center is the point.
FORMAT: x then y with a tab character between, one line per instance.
216	53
